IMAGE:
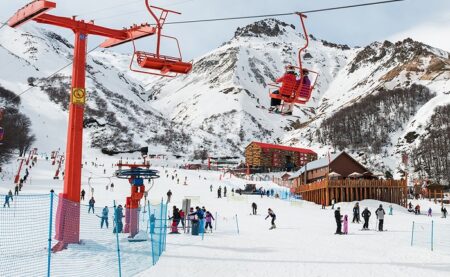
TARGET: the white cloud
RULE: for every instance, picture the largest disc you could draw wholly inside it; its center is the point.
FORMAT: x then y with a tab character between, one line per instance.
435	33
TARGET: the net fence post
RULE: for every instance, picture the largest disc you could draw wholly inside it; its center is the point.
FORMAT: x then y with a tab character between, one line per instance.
50	226
432	235
165	226
152	230
161	229
237	224
412	234
116	221
215	223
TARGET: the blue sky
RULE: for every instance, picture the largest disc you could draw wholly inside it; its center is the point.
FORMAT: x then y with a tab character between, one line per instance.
424	20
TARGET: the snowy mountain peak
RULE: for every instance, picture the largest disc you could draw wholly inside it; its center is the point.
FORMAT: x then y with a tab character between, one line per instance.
268	27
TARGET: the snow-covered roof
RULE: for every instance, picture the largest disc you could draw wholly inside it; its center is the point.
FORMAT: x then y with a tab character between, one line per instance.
315	164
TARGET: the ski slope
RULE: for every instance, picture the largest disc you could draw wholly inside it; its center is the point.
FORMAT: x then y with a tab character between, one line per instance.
304	243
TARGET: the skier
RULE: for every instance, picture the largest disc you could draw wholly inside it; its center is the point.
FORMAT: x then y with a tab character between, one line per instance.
16	190
380	216
232	192
261	191
444	212
288	82
219	192
118	214
209	218
104	217
169	195
273	216
254	207
430	212
332	203
175	220
346	224
391	210
82	194
6	201
111	188
225	191
210	188
11	195
91	205
356	213
182	218
338	218
366	215
199	215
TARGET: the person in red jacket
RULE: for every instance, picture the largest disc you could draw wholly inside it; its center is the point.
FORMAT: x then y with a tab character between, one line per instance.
302	89
288	82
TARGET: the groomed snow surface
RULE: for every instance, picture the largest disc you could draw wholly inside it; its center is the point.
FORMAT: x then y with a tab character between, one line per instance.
303	244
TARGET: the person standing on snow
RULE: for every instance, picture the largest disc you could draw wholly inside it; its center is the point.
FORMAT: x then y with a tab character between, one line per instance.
83	193
338	218
391	210
332	204
209	218
91	205
16	190
366	215
225	191
219	192
356	213
346	224
169	195
254	207
210	188
430	212
380	216
6	201
104	217
11	195
273	216
118	215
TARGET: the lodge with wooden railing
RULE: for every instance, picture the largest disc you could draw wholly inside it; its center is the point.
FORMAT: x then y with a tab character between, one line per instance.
348	190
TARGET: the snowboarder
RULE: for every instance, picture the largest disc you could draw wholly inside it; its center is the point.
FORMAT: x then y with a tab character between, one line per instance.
430	212
118	214
346	224
219	192
366	215
91	205
391	210
225	191
356	213
6	201
169	195
82	194
338	218
104	217
254	207
209	218
380	216
273	216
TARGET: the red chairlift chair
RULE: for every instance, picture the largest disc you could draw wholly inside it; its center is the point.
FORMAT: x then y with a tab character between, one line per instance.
166	65
299	94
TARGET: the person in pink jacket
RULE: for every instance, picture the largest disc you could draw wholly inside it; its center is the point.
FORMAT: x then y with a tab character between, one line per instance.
346	224
209	218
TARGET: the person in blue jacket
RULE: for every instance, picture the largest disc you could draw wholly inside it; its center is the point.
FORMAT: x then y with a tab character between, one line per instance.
118	215
6	201
104	217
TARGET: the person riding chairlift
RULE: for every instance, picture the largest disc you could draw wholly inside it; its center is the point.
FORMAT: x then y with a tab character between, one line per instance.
288	82
305	84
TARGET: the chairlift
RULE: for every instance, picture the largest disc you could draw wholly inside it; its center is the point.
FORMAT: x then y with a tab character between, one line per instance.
300	93
155	63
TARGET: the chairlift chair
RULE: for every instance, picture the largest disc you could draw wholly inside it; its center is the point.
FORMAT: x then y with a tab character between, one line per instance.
155	63
298	94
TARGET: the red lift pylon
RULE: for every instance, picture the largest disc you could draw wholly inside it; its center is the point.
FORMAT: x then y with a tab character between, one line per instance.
68	212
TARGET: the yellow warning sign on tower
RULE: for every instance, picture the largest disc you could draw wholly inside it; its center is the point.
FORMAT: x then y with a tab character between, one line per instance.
78	96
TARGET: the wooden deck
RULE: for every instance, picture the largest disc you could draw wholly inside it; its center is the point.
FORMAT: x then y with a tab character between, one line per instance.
348	190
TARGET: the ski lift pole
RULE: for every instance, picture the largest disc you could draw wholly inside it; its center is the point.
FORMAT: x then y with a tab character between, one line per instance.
412	234
237	224
432	235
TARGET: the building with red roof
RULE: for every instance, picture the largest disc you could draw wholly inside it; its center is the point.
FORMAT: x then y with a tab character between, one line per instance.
274	157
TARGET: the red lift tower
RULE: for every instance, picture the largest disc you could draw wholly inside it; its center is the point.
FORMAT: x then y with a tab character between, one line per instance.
68	212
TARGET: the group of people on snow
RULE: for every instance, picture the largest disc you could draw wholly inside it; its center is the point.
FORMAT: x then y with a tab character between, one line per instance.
366	214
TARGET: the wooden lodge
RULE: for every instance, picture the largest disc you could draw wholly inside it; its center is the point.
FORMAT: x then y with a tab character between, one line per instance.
342	178
273	157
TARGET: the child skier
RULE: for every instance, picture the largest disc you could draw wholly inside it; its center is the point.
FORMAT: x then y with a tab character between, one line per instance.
273	216
104	217
430	212
366	215
346	224
209	218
